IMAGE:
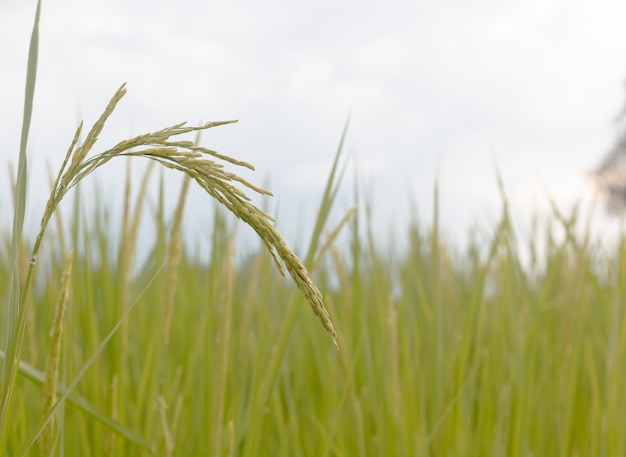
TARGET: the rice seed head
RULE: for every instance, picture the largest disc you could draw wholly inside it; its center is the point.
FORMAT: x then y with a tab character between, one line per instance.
199	164
54	354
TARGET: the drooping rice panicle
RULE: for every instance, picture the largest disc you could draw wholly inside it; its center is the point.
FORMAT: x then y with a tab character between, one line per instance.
190	159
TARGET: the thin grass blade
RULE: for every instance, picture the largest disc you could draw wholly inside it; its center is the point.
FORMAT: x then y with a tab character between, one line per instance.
14	325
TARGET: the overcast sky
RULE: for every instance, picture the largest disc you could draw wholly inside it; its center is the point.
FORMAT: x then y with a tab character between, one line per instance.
435	89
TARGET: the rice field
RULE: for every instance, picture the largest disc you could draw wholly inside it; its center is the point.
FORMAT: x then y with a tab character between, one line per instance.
442	351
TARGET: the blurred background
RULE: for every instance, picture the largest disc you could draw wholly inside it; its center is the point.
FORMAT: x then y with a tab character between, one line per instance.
446	92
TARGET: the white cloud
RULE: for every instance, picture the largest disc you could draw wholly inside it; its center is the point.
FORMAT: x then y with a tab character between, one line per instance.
384	56
432	87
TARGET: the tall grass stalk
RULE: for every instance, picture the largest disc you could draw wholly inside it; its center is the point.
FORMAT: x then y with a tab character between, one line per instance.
54	354
16	297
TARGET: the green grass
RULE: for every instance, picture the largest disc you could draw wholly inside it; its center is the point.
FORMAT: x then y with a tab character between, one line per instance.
442	352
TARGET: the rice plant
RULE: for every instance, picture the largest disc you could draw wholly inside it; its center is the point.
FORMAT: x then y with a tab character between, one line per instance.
444	350
196	162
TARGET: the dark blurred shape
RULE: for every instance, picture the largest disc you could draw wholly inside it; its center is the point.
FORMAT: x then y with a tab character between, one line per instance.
610	176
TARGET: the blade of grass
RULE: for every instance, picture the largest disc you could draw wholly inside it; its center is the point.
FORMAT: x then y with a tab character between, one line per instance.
39	377
268	383
14	323
328	199
27	444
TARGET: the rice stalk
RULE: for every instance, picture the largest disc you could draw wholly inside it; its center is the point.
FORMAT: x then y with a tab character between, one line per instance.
331	237
54	354
223	341
130	232
175	251
109	442
231	438
178	409
167	434
168	296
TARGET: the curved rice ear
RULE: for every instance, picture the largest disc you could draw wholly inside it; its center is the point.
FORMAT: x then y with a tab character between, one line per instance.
197	163
190	159
201	165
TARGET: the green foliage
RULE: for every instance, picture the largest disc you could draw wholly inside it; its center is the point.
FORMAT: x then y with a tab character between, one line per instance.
441	353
